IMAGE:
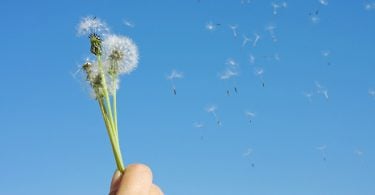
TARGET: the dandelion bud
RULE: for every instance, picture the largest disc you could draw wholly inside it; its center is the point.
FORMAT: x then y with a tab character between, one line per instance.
96	44
87	68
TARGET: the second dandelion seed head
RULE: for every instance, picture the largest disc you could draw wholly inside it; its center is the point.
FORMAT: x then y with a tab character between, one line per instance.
121	54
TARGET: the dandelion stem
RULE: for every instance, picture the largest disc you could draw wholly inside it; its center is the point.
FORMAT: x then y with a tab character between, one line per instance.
114	101
105	89
115	144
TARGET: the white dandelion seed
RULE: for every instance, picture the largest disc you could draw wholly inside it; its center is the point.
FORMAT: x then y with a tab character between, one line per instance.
369	6
231	62
323	149
271	30
325	53
315	19
308	95
175	75
276	56
321	90
358	152
278	5
234	30
227	74
256	39
198	125
212	109
323	2
245	1
371	92
90	25
249	115
210	26
245	40
247	153
121	54
259	72
251	58
129	23
230	72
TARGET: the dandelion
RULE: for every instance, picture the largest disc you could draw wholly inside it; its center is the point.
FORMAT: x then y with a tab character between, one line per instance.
174	75
212	109
89	25
259	72
315	19
115	55
245	1
121	54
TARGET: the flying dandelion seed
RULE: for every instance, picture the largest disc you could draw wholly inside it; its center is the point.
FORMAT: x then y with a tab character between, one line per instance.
129	24
249	116
259	72
277	6
230	72
234	30
256	39
358	152
271	30
321	90
369	6
174	75
308	96
326	54
323	2
212	109
210	26
371	92
276	56
199	125
323	149
247	155
245	40
245	1
251	58
315	19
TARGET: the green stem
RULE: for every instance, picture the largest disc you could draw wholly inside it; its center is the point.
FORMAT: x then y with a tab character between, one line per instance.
114	143
105	89
114	101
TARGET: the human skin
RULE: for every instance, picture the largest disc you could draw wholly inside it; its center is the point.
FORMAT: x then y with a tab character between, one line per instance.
136	180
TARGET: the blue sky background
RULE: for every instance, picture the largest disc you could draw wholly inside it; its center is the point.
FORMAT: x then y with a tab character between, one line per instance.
53	140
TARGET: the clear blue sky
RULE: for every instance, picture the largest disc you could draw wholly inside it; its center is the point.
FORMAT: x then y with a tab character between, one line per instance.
53	140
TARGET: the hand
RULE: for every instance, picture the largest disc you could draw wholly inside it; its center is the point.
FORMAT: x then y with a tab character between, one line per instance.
136	180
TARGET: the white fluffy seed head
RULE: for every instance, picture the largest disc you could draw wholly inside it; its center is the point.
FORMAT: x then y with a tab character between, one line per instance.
122	52
90	25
